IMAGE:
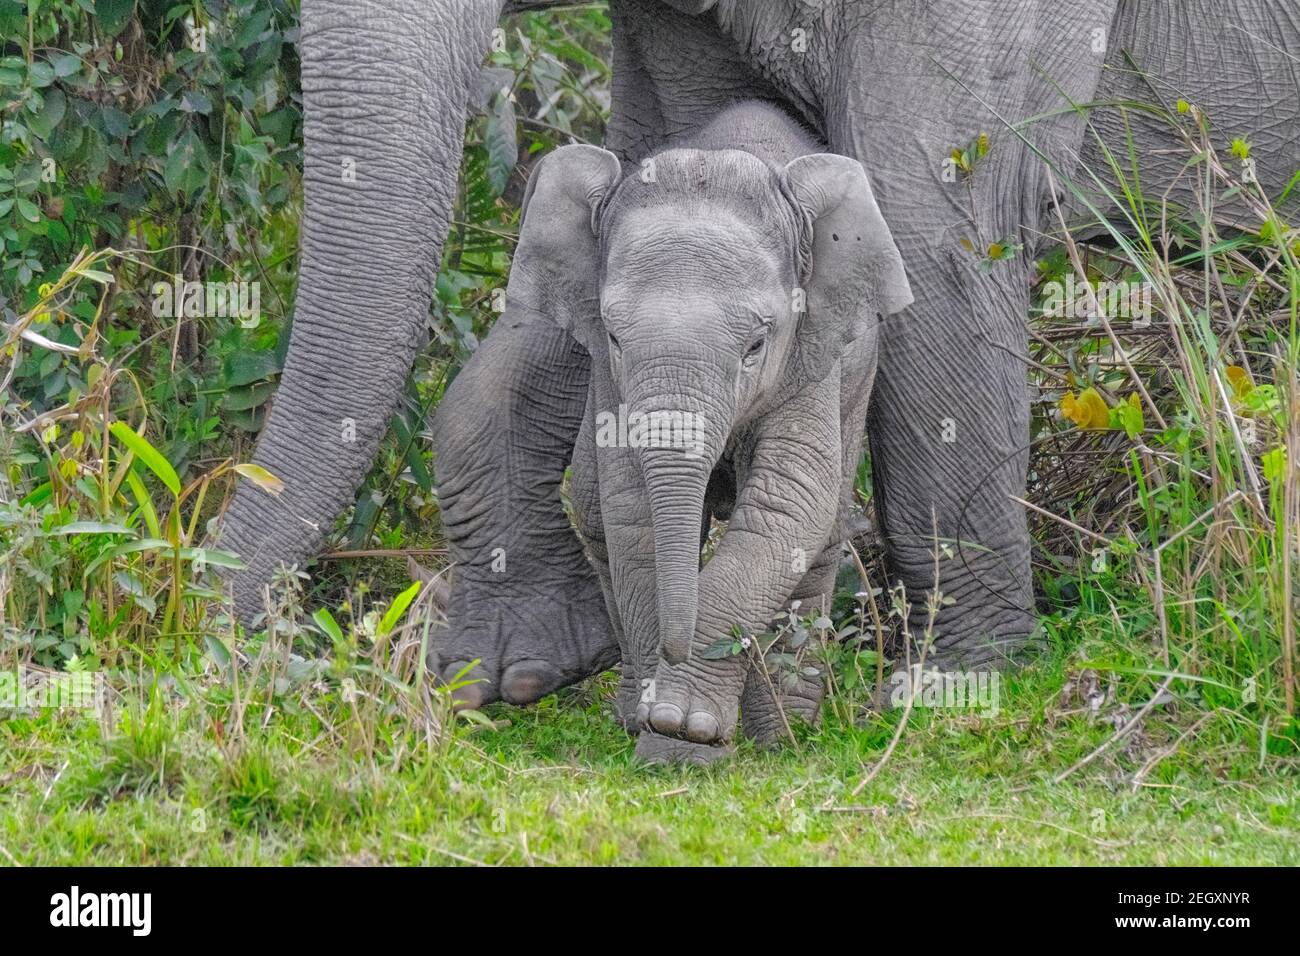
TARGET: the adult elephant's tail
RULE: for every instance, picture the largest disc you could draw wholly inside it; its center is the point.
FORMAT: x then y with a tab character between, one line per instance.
385	86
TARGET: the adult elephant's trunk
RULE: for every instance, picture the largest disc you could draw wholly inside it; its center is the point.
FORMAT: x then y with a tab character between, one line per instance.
385	85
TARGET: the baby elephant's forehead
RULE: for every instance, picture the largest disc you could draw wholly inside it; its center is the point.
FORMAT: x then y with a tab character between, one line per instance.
699	182
719	214
650	245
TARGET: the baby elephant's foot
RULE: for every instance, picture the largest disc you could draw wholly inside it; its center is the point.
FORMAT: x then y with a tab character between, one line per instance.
695	701
773	703
531	638
656	748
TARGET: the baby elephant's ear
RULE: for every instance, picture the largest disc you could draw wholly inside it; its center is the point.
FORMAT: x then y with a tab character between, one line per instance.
555	269
856	272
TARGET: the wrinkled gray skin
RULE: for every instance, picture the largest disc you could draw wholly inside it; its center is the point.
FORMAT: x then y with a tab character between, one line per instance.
741	290
894	84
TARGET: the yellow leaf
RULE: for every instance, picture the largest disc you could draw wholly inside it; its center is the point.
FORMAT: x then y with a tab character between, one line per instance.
261	477
1088	410
1240	381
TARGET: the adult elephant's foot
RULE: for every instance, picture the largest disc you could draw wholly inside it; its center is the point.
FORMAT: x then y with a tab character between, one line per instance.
627	700
774	703
530	635
697	701
656	748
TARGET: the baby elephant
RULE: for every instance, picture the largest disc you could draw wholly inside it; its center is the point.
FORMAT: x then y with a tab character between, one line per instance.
730	291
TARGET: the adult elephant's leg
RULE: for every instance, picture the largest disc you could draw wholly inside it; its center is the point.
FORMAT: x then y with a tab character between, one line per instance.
1159	52
525	602
949	418
949	448
385	84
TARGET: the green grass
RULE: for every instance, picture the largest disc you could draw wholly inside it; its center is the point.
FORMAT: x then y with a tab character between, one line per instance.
315	780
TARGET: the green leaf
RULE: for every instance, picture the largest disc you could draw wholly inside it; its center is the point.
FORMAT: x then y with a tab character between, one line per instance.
38	495
1274	462
723	647
40	74
131	547
217	650
133	586
66	64
247	366
112	15
195	101
187	165
243	399
43	123
500	139
325	621
116	123
27	209
1128	416
413	452
90	527
151	457
222	559
396	610
144	502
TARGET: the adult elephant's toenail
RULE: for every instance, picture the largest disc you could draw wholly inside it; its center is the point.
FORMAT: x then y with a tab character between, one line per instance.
470	696
702	728
666	718
527	681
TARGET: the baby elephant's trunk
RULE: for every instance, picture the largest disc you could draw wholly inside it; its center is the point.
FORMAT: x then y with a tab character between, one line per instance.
675	480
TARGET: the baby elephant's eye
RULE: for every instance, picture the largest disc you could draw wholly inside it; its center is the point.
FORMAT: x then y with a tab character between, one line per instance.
756	348
613	342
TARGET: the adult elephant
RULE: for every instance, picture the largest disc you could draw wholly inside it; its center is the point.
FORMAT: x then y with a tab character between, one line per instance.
897	85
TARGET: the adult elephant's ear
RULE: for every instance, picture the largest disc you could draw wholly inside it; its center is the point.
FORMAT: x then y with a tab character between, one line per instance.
555	270
855	272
